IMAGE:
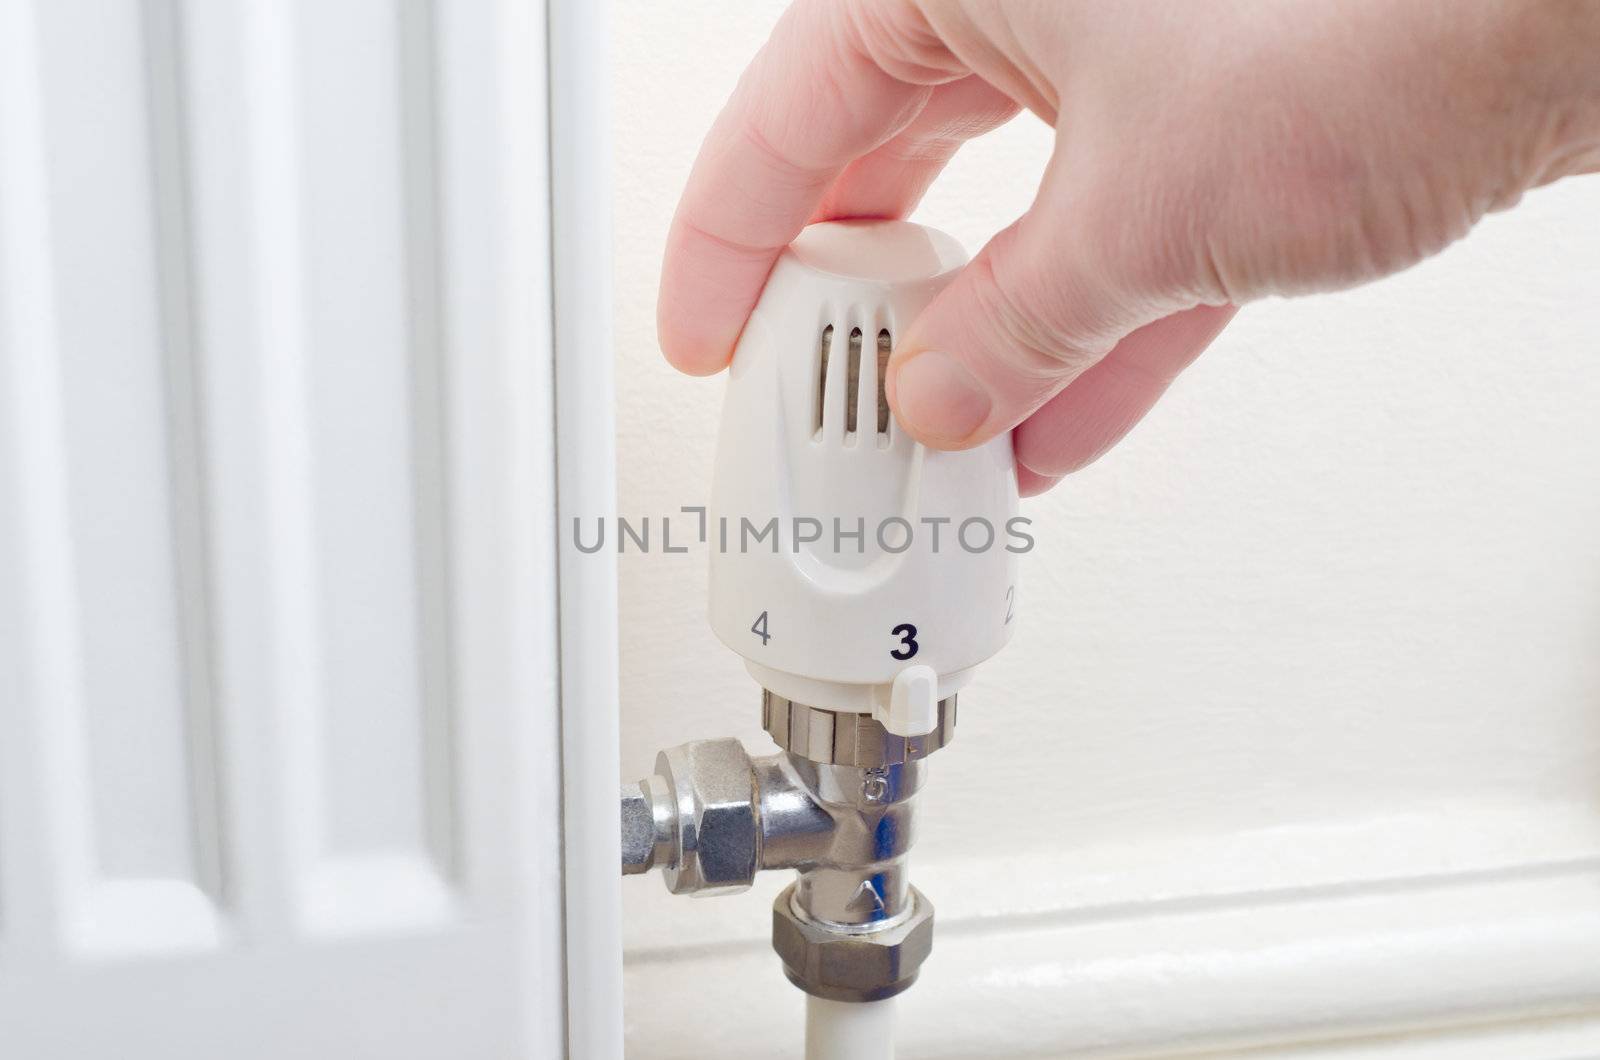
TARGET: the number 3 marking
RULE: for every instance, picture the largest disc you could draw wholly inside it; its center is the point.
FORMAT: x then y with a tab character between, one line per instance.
908	641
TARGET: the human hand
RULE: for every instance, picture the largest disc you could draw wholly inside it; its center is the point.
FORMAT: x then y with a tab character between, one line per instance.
1206	155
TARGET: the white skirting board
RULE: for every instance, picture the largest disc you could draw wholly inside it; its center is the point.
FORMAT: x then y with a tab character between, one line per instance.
1488	944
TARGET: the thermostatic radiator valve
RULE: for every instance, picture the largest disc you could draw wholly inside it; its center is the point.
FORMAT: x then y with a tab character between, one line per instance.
861	577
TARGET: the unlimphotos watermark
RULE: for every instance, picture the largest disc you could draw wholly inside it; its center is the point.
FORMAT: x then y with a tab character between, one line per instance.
743	534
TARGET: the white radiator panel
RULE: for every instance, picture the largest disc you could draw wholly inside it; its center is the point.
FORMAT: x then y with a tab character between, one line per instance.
279	747
130	737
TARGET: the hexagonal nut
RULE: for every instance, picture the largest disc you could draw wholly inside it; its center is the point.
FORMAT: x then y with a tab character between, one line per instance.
719	829
638	829
869	966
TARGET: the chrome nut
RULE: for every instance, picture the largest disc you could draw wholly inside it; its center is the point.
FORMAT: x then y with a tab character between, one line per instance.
855	965
712	787
649	825
638	830
845	738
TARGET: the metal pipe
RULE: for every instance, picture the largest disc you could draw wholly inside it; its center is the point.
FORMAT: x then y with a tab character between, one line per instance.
837	807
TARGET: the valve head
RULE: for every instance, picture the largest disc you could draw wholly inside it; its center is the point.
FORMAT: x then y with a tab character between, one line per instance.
847	557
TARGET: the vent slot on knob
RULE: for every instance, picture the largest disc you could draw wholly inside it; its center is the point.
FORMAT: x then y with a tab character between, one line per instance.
822	378
856	403
884	343
853	384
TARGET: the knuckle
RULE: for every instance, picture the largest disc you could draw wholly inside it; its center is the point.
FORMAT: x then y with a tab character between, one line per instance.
897	37
1048	329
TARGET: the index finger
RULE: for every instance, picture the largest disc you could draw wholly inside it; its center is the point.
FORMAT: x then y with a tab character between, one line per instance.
813	100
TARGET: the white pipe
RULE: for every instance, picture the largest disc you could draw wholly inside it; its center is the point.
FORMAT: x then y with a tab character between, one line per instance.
580	216
849	1030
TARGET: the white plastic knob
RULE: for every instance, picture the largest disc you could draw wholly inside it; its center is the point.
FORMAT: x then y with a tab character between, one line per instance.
844	554
913	702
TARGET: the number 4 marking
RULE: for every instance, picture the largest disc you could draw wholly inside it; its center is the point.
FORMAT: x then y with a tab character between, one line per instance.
759	628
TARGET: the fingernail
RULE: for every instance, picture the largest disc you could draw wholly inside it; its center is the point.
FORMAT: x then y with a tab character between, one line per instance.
938	399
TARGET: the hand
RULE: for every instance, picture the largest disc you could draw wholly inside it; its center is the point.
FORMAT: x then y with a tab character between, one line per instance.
1206	154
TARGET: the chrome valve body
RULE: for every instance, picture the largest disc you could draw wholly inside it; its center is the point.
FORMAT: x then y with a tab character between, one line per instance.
835	805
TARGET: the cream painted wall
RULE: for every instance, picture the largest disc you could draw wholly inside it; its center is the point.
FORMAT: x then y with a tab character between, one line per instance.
1332	614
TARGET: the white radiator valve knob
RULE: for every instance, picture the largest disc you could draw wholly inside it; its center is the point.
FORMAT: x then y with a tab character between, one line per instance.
852	568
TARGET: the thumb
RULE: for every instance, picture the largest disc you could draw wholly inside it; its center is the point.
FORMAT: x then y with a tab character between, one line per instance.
1042	302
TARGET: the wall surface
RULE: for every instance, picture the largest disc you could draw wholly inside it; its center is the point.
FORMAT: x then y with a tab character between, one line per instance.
1299	736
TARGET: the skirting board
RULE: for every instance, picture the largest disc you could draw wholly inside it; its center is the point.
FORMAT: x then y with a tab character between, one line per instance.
1477	957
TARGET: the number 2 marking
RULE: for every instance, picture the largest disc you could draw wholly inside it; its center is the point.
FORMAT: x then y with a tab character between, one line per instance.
759	628
908	641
